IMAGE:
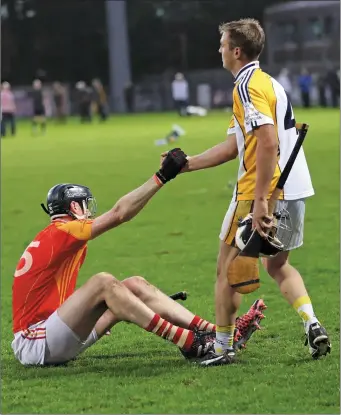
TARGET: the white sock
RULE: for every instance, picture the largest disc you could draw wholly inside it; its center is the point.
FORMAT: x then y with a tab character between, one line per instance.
307	314
305	310
224	339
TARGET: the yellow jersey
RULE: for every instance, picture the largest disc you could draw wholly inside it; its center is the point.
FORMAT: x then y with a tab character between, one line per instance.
258	99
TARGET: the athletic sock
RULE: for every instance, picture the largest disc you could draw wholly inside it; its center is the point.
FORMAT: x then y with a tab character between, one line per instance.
224	338
201	324
182	338
305	310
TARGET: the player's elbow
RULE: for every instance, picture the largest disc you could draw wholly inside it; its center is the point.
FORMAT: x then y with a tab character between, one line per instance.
230	154
234	154
230	150
226	157
119	214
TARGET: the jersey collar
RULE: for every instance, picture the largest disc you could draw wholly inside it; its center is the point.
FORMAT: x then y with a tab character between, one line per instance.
245	69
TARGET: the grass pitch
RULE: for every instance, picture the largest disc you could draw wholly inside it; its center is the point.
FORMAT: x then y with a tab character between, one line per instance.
173	243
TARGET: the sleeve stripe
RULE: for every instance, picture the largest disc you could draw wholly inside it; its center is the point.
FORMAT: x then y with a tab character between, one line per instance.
243	88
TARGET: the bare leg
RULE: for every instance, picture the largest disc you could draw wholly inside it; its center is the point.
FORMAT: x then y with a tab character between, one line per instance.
287	277
83	309
227	300
160	303
156	300
293	289
88	305
105	323
291	286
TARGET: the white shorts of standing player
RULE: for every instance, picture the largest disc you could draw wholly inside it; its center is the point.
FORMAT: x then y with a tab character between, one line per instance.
295	208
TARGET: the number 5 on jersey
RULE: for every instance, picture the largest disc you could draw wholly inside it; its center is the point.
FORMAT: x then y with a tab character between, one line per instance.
28	259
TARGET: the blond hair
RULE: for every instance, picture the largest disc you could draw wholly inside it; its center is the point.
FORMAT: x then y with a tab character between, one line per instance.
247	34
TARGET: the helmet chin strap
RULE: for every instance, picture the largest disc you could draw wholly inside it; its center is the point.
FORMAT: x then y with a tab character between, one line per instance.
44	208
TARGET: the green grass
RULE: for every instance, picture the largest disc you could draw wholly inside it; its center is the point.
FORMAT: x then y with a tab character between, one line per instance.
173	243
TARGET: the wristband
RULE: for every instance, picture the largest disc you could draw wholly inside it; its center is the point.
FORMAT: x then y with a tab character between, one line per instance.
157	180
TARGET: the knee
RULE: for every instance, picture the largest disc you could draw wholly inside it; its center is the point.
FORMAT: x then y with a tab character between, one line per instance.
136	285
223	268
104	281
221	271
222	281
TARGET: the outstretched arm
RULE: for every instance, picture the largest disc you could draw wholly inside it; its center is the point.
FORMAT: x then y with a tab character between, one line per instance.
128	206
214	156
219	154
125	208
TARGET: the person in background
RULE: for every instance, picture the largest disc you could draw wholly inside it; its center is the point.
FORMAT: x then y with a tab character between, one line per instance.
180	93
8	109
59	98
321	86
284	80
129	96
99	99
333	81
305	82
39	110
84	97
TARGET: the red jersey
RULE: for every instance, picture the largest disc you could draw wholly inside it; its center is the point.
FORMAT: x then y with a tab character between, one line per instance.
47	272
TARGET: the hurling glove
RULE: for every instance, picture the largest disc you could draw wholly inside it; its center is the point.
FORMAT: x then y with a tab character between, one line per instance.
172	164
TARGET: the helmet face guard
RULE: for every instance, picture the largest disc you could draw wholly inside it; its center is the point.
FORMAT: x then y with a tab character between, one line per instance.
90	207
59	199
277	240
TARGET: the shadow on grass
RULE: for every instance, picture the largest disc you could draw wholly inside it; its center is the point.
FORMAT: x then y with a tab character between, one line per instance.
127	355
121	365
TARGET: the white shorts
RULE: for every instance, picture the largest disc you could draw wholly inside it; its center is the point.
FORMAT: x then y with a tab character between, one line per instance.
49	342
237	210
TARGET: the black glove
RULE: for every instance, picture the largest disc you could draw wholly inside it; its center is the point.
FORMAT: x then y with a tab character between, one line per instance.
172	164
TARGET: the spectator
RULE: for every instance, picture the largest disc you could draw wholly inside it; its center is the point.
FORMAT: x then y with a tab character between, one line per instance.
8	109
180	93
333	82
39	110
59	98
284	80
84	97
129	96
305	83
321	86
99	99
